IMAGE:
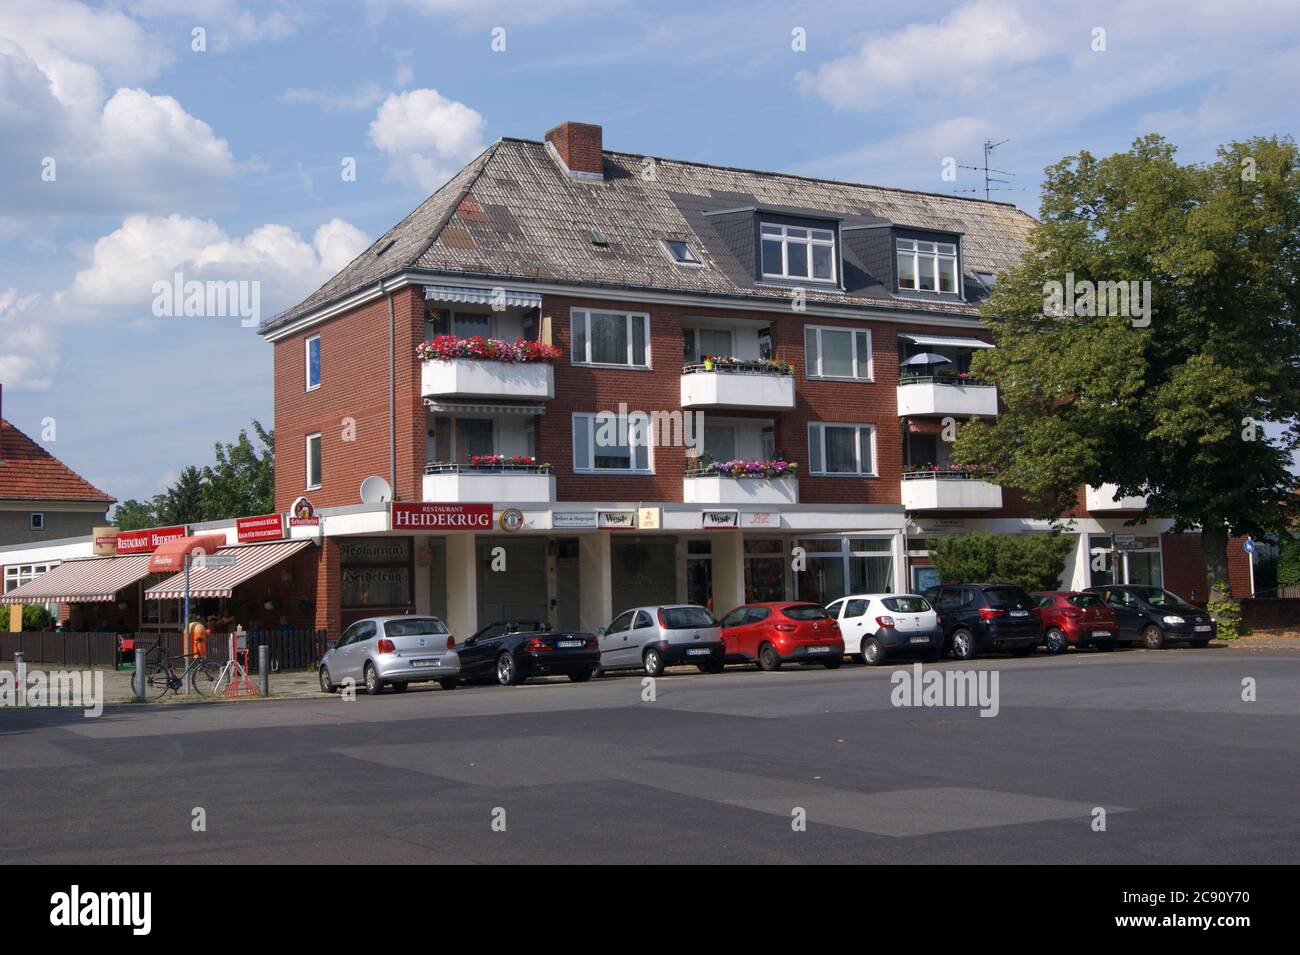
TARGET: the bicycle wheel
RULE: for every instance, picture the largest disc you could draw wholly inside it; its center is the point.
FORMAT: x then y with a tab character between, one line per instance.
203	678
158	680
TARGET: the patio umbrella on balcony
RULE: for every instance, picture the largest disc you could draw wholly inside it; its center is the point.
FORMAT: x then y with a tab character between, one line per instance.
926	358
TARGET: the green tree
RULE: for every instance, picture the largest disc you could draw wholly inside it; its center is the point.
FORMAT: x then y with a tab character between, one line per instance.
1288	561
243	479
1032	561
1168	404
131	515
36	617
185	502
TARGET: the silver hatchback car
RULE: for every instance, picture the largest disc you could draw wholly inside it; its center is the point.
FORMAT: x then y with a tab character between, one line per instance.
392	651
652	638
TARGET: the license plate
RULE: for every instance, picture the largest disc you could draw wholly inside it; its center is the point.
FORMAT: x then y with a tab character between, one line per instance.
819	649
698	652
918	639
430	662
1101	633
567	644
1020	613
1204	628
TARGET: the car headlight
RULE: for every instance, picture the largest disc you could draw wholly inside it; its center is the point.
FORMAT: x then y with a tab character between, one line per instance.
1174	618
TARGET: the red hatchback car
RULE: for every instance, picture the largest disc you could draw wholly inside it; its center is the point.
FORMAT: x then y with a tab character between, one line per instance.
782	632
1076	620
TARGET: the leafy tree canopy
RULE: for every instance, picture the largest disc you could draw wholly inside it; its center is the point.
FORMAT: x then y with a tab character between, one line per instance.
1032	561
1168	403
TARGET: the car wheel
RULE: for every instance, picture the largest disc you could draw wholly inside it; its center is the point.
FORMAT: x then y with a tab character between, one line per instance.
449	683
653	662
1056	641
963	645
1153	638
507	670
767	658
326	684
400	686
873	654
374	685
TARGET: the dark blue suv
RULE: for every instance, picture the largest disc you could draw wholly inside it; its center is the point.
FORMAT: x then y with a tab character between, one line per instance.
977	618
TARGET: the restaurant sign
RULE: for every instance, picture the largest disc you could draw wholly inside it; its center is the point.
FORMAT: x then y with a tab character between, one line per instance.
147	541
429	516
105	539
302	513
265	527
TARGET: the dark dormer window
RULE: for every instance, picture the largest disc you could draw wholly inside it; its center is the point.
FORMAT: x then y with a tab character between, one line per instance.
927	266
681	252
798	252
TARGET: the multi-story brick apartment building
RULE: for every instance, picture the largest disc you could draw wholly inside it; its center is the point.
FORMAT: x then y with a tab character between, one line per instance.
779	309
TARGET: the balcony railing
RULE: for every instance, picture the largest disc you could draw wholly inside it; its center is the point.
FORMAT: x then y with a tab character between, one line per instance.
498	482
946	394
738	383
949	488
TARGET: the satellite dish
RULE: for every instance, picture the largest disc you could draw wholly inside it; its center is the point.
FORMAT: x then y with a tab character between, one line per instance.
375	490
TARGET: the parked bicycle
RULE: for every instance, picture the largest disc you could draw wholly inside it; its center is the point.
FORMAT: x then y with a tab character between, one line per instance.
161	674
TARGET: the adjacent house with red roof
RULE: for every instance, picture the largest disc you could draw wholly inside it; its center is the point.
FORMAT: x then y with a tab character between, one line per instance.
41	498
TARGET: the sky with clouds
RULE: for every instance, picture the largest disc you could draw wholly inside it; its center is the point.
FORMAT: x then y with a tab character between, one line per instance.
128	155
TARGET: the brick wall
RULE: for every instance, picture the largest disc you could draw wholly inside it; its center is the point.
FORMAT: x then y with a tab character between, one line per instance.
1184	567
353	391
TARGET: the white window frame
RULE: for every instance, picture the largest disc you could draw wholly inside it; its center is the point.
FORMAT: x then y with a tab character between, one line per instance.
693	262
904	247
583	315
786	239
817	432
810	372
310	486
36	521
18	574
589	466
307	362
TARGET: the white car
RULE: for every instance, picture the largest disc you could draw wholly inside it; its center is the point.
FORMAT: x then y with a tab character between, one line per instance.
876	626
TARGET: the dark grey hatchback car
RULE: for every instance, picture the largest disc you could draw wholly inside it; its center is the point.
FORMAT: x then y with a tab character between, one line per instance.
977	618
1155	617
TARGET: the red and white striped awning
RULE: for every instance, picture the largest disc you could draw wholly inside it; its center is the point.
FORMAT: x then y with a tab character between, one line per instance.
85	580
250	560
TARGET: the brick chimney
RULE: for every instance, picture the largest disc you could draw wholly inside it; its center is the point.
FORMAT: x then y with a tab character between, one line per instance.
577	147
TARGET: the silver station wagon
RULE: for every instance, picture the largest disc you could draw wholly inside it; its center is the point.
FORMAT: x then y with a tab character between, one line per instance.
392	651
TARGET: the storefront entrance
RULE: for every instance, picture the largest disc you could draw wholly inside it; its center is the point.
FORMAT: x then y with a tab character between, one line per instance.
516	591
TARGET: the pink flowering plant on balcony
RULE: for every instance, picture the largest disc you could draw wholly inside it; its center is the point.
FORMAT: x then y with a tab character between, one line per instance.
740	468
519	351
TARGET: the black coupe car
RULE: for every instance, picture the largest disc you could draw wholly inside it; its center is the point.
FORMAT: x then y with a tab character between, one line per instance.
511	651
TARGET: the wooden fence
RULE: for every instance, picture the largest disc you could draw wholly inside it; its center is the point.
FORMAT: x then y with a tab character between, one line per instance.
289	650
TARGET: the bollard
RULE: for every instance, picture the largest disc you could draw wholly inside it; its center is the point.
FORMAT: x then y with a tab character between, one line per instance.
137	678
264	669
18	669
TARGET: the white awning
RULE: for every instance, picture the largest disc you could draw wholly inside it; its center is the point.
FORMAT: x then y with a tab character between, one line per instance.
89	580
475	407
943	340
250	560
512	298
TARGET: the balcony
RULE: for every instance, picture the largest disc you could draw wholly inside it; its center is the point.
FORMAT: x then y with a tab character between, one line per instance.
1102	499
949	489
497	483
719	485
475	378
946	395
733	383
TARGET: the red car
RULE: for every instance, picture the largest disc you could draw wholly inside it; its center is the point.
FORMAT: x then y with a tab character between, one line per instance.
1073	619
782	632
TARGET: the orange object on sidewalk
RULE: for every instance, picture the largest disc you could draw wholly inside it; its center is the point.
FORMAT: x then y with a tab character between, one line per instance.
196	639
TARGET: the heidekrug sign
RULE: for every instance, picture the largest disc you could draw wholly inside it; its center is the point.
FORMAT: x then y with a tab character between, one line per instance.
428	516
148	540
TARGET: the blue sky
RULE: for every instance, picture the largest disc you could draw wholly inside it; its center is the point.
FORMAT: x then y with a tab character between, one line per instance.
225	162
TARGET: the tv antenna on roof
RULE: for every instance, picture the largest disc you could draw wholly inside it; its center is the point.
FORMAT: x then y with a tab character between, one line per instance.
986	169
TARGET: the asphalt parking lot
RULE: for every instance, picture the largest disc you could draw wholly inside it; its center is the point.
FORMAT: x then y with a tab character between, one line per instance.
713	769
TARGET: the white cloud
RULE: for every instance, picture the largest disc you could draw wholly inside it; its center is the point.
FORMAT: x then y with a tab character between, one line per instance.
362	96
228	25
477	12
960	52
426	136
108	153
126	263
27	354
